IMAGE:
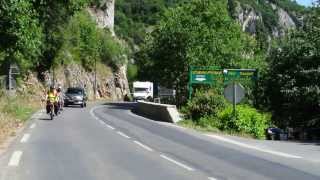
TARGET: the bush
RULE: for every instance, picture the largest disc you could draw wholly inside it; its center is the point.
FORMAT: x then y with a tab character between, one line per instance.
248	120
204	103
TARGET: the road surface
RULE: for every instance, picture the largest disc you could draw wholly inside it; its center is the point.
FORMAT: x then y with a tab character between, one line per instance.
108	142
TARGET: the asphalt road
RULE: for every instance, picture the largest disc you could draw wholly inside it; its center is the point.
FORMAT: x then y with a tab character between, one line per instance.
108	142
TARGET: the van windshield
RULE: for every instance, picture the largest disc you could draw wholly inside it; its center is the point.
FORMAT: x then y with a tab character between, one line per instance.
140	90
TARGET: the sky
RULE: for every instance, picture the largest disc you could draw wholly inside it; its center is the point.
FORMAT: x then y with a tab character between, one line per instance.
305	2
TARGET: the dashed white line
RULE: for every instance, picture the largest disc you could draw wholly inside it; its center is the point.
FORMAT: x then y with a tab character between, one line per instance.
25	138
15	158
212	178
177	163
33	126
254	147
123	135
143	146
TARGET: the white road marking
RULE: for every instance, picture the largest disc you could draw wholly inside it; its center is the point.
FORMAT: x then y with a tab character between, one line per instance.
123	135
33	126
25	138
254	147
212	178
177	163
15	158
143	146
92	114
110	127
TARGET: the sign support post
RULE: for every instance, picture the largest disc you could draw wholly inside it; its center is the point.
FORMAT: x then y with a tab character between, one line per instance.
234	100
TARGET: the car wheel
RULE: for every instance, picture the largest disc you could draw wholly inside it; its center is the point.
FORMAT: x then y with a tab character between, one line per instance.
82	105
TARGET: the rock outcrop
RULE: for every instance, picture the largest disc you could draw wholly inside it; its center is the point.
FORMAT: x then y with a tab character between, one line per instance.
110	85
250	18
104	14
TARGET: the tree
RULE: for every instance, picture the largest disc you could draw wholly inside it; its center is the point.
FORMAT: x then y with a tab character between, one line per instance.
53	16
199	33
20	33
293	80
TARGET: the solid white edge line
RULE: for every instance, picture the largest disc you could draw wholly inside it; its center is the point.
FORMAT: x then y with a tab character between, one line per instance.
212	178
33	126
254	147
143	146
15	158
177	163
25	138
123	135
92	114
110	127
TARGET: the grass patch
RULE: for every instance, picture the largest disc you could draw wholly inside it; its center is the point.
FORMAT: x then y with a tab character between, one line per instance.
211	129
14	111
19	107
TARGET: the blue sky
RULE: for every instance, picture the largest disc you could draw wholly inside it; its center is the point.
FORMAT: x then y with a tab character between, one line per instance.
305	2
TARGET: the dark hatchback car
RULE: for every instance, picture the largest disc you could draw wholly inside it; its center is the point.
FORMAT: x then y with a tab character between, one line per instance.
75	96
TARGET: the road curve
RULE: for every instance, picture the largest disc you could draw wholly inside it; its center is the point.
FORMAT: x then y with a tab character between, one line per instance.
109	142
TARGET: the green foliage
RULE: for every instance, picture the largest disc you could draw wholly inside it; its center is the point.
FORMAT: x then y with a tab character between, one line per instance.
85	43
205	103
248	120
133	18
20	33
199	33
292	82
132	72
18	107
210	112
53	16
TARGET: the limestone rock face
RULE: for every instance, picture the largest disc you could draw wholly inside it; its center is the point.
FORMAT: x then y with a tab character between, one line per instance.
110	85
104	14
250	19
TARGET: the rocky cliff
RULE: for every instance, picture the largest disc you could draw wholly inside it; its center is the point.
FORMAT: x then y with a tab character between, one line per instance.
263	16
104	14
112	83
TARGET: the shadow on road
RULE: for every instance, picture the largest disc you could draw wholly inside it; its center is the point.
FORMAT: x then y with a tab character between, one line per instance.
129	106
122	106
313	143
45	119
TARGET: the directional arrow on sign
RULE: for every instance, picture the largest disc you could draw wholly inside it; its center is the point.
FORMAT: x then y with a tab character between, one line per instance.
200	79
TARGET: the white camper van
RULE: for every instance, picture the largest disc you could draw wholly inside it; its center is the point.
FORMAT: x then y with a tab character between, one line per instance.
142	90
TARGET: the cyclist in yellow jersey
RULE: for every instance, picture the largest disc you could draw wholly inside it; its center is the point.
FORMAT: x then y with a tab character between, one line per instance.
52	100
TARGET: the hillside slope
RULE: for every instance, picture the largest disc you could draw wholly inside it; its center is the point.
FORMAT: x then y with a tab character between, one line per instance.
265	19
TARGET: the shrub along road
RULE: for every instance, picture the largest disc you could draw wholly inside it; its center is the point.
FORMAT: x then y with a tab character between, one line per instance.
109	142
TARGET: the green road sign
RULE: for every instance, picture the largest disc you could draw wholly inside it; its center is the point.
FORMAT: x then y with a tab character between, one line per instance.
211	75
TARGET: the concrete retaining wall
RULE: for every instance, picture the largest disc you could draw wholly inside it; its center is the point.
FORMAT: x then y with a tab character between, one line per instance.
160	112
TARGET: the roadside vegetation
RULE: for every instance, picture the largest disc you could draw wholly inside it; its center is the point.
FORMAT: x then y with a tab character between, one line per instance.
14	112
202	33
40	35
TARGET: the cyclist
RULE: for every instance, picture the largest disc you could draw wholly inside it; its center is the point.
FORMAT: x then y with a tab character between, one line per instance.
52	100
60	98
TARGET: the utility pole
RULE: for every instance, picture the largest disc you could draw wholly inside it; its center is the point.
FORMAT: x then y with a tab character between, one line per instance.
95	79
53	77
